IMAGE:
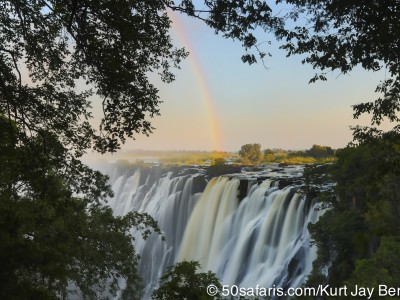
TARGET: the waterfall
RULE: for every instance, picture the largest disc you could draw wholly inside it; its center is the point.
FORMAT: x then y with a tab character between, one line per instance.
260	239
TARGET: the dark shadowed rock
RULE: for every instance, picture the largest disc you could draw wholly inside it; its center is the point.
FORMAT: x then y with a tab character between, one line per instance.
220	170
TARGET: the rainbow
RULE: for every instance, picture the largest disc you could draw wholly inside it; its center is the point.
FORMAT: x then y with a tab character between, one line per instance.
201	80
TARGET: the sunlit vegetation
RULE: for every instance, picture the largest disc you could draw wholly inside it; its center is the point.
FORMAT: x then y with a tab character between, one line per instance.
196	158
315	155
200	158
250	154
297	160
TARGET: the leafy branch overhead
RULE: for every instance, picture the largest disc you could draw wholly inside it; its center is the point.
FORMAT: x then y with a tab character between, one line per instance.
340	35
234	19
50	49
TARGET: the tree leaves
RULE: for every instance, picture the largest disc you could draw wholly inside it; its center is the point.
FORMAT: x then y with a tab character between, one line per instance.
57	235
110	46
250	153
341	35
183	281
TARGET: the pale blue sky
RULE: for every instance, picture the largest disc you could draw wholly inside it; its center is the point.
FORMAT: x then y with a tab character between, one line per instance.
275	107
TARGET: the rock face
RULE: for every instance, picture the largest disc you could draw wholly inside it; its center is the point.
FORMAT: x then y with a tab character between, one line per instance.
219	170
244	186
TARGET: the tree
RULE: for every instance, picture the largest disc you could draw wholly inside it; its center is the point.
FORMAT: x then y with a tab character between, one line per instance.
340	35
268	155
182	281
380	269
51	238
364	211
318	151
218	161
250	153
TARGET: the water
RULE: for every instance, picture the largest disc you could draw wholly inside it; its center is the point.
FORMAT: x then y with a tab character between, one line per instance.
260	239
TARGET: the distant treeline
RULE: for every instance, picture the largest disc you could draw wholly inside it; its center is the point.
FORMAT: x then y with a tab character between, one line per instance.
252	154
249	154
184	157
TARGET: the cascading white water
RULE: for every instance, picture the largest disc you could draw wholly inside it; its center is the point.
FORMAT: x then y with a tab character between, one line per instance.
262	239
169	200
252	243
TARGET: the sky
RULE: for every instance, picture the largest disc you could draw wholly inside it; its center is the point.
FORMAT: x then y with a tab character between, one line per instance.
219	103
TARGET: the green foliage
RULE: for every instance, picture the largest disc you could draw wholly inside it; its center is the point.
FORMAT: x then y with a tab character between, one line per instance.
296	160
382	217
340	35
332	43
182	281
368	173
218	161
269	158
338	236
318	151
112	47
381	268
364	210
250	154
216	157
234	20
201	158
60	42
268	152
55	229
316	155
